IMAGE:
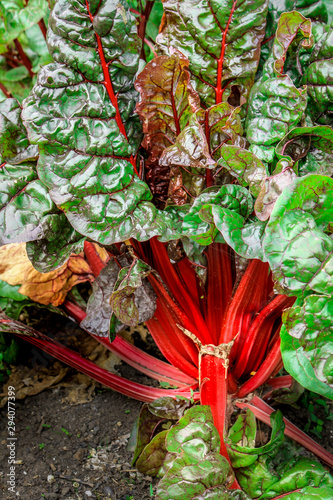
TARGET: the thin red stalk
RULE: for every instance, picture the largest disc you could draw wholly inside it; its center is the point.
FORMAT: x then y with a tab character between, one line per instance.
4	90
43	29
95	262
109	87
279	382
135	357
192	312
262	411
264	373
24	57
219	288
209	174
219	89
75	360
143	24
257	336
246	301
149	365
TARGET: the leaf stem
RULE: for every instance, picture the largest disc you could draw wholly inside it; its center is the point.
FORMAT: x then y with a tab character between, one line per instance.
24	57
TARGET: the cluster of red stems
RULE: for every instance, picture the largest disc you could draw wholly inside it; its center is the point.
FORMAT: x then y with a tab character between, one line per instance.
234	343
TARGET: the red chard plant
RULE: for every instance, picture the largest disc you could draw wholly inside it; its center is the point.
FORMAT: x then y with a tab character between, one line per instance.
185	152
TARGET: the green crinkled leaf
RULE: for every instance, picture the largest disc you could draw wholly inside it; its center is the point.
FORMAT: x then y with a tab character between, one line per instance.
275	106
311	493
256	478
195	434
232	197
186	481
319	81
244	237
51	252
304	472
123	300
306	343
244	456
313	146
14	144
16	17
243	165
270	190
244	430
295	244
86	129
221	40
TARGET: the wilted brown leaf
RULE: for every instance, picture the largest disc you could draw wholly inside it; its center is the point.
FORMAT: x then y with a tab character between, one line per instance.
45	288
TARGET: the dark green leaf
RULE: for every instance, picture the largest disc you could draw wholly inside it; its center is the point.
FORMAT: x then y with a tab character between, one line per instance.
319	80
143	431
243	432
295	244
232	197
49	253
243	165
307	346
305	472
244	456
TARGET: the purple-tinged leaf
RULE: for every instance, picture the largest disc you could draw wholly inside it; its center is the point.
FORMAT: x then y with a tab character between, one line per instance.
152	457
222	42
271	189
133	300
188	160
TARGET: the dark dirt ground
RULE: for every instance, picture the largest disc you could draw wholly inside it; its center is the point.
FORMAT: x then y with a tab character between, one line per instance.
69	451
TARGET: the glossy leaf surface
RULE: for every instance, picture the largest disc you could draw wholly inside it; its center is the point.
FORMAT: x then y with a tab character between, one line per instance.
306	343
243	165
221	40
87	149
318	78
232	197
295	244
